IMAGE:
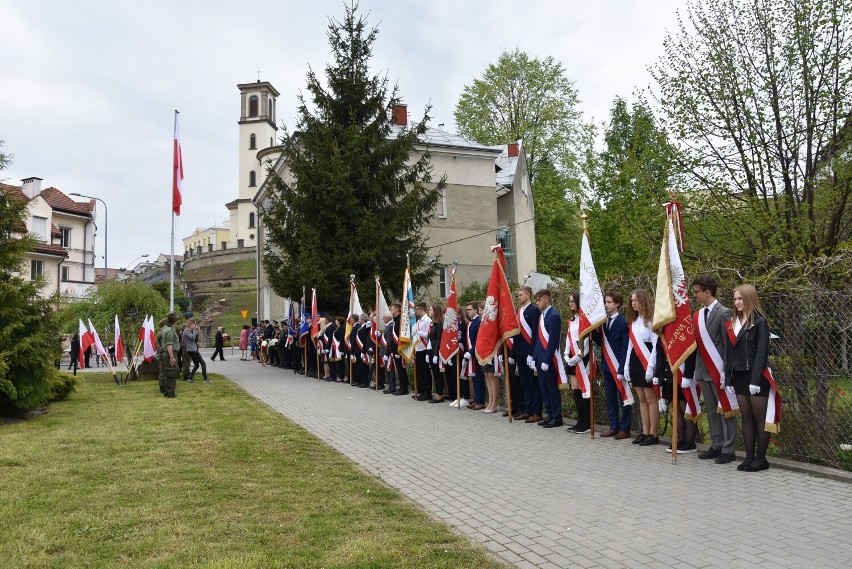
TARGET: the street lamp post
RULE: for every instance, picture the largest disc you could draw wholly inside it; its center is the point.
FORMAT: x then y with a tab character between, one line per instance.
106	227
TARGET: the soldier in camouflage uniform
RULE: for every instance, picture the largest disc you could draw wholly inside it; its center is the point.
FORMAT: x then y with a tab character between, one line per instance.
168	346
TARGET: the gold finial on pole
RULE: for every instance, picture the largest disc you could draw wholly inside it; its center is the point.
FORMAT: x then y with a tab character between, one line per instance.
584	216
352	278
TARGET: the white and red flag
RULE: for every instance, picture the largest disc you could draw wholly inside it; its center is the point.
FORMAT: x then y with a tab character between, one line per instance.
119	343
591	311
672	314
315	325
382	309
450	334
148	337
177	170
99	347
499	319
85	343
408	319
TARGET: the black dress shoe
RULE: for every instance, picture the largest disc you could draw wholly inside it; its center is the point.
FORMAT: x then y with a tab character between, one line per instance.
400	393
543	423
755	467
710	453
386	391
742	466
552	424
726	457
638	440
424	398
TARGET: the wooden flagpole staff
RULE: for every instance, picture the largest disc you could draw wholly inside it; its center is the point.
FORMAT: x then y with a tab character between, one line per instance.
508	380
675	403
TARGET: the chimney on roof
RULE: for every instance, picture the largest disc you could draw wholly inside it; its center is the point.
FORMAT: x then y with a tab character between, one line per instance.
513	149
31	187
400	115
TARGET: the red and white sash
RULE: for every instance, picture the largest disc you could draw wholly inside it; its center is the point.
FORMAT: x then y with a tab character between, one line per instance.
690	397
643	354
611	362
773	407
581	371
728	405
544	338
526	331
335	348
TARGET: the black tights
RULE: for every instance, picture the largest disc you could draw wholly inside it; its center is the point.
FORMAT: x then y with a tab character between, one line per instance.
686	429
753	411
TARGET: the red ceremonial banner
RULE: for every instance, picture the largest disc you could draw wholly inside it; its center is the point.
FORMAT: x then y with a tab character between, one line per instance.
499	319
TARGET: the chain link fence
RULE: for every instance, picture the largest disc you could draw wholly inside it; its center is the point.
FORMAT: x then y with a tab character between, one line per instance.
810	356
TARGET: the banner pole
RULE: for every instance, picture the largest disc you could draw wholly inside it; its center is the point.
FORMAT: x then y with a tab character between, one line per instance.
508	380
675	408
458	380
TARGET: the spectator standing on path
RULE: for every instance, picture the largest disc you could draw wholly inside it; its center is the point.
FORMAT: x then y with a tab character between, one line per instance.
168	346
75	352
190	342
219	345
711	336
244	340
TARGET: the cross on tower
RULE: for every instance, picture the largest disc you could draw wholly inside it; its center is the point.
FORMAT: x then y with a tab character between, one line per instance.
258	74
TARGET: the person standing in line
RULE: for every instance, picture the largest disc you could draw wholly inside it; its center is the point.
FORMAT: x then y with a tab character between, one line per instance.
475	372
746	362
219	345
544	356
436	329
612	337
640	362
711	336
421	353
522	346
576	357
75	351
190	341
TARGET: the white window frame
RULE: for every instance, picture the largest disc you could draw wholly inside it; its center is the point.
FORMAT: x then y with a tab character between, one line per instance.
40	228
36	269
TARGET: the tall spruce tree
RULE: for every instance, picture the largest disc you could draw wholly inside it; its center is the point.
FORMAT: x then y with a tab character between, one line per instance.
358	189
28	347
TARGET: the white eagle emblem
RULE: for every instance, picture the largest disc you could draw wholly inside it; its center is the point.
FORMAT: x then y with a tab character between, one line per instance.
489	312
681	296
451	320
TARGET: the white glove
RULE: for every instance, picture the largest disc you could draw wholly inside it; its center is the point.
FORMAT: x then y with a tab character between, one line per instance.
655	381
511	361
663	406
545	367
530	362
435	360
686	383
385	359
649	375
730	390
754	389
575	360
567	359
467	356
620	377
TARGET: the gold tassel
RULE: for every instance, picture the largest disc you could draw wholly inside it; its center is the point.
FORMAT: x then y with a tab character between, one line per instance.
772	428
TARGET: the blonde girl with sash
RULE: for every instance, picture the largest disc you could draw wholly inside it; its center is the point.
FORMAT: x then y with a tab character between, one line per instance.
640	363
748	335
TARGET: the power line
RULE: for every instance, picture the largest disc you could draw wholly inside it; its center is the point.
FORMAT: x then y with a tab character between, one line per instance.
480	234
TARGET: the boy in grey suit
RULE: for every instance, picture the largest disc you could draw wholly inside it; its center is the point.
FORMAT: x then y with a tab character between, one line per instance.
723	430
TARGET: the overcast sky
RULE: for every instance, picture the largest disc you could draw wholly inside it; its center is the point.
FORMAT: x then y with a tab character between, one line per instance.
88	88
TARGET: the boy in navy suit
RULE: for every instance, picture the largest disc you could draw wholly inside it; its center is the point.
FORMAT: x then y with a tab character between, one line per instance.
545	352
613	338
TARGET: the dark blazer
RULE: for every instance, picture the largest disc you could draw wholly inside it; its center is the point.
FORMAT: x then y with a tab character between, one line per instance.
366	339
353	340
553	325
749	353
473	332
662	369
617	335
220	340
435	331
520	347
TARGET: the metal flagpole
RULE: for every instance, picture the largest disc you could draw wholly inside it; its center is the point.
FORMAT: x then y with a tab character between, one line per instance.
172	261
375	337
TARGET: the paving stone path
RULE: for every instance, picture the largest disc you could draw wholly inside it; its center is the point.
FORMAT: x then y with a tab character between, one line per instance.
546	498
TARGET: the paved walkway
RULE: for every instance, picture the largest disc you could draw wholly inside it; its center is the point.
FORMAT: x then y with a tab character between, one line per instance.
546	498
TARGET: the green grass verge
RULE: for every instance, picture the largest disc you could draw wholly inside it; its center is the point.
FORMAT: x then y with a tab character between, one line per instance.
225	271
120	477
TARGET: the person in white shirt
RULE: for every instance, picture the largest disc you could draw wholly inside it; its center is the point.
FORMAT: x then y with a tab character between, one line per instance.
421	369
640	363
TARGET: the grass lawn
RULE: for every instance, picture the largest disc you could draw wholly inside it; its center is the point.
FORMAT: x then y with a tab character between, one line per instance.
120	477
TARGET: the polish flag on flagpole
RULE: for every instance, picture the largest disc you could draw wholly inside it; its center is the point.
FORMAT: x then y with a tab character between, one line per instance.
315	327
149	345
591	310
99	347
177	175
119	343
85	344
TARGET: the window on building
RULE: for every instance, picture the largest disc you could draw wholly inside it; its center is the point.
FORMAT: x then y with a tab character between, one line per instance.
66	271
253	103
252	142
36	269
442	204
251	219
443	285
252	179
66	236
40	228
